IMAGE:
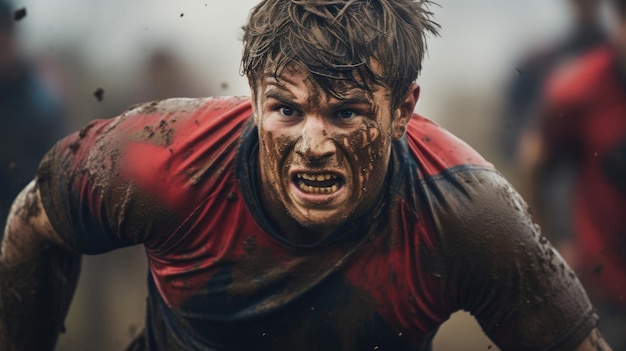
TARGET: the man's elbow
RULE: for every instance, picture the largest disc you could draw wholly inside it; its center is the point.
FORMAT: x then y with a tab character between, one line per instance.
27	228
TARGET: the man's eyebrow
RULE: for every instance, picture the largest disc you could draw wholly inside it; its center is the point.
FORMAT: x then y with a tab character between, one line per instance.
351	100
351	97
279	95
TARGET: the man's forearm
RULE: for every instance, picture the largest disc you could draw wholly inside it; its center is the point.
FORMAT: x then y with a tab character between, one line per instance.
38	277
34	299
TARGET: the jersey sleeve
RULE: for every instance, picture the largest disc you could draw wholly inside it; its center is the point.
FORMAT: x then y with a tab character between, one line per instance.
119	182
502	270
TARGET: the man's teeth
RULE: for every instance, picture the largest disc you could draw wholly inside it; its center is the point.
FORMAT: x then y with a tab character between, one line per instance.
317	177
317	190
324	183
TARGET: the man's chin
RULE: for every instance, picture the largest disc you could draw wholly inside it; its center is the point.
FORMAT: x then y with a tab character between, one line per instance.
320	224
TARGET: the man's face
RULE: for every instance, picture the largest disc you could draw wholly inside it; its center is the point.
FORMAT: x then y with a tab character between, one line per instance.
322	159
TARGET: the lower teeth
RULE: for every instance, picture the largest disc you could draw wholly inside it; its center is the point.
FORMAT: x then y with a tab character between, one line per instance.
317	190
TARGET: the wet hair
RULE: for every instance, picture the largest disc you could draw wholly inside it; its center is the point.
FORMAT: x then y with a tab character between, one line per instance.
339	40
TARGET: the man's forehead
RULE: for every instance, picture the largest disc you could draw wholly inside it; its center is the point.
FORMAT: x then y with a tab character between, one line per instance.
296	75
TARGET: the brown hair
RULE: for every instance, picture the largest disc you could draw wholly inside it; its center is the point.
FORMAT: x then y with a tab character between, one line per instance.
339	40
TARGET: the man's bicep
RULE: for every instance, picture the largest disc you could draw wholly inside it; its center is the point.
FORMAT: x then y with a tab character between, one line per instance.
28	228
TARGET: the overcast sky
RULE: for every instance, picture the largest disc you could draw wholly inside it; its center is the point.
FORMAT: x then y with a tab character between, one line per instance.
479	44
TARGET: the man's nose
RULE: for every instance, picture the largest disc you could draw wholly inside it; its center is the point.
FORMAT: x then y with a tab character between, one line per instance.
315	142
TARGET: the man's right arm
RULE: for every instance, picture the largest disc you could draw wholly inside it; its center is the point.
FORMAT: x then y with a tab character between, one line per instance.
38	276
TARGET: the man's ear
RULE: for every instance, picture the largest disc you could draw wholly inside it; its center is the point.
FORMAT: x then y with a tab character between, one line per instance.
253	102
404	112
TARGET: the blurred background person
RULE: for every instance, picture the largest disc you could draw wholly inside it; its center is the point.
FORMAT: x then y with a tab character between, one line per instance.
586	31
31	113
165	74
582	120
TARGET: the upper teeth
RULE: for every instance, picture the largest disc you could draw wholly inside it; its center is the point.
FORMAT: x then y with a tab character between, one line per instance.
318	177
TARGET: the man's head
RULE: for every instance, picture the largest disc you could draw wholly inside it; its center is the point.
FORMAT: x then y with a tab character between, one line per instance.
332	84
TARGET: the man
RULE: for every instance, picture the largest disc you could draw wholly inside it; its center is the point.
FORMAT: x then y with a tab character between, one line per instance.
583	122
321	214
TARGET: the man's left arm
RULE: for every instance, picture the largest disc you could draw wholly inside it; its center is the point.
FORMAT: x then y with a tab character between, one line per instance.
507	274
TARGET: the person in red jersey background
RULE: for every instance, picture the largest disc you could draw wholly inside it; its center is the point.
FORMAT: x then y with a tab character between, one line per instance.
321	213
583	121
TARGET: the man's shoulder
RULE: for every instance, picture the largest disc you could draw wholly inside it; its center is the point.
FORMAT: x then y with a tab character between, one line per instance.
183	140
195	108
180	123
173	149
437	150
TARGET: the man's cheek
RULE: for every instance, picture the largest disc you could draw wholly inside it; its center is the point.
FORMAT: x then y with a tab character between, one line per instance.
276	150
367	148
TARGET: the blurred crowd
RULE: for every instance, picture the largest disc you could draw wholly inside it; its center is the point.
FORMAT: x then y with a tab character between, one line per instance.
559	135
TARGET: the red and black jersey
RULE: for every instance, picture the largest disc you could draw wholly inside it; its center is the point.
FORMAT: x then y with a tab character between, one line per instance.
585	120
449	233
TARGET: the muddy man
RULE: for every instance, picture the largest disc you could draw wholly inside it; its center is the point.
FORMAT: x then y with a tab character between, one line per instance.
320	213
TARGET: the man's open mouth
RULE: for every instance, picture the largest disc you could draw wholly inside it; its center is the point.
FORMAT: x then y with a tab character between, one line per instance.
318	183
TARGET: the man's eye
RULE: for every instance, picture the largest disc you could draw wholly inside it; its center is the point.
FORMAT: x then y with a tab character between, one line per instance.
287	111
346	114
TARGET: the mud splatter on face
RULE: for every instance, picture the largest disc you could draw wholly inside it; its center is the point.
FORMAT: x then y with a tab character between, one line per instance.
276	166
323	157
368	152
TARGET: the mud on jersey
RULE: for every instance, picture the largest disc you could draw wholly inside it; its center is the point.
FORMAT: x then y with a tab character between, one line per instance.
449	233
